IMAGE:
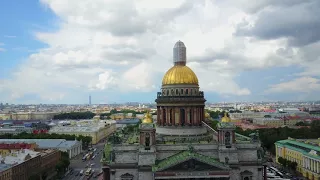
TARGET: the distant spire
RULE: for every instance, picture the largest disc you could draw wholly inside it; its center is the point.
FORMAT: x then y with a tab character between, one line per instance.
179	53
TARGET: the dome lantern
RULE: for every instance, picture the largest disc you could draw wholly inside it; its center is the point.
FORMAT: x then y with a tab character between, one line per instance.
179	53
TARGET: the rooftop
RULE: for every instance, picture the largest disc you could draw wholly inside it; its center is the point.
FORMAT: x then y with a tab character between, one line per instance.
43	143
18	156
309	147
4	167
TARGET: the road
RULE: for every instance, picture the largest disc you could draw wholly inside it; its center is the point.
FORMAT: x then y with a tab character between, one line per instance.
77	164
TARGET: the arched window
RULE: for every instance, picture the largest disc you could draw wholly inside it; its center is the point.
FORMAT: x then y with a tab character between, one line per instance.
227	138
246	175
167	92
187	91
226	159
147	140
170	116
181	91
177	92
126	176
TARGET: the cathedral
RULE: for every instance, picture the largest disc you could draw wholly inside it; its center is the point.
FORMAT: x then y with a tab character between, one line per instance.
180	144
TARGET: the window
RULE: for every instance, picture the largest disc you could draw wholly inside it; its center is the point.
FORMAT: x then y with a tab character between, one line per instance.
177	92
227	139
181	91
126	176
246	175
187	91
147	141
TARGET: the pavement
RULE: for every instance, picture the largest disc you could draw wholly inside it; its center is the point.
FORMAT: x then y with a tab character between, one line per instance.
77	164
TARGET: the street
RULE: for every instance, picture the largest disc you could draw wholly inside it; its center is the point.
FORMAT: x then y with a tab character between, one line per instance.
77	164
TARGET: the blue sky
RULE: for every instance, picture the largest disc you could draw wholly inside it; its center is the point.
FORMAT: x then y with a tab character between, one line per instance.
61	51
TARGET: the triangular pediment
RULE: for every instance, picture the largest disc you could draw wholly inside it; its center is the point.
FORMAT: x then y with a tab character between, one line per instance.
189	161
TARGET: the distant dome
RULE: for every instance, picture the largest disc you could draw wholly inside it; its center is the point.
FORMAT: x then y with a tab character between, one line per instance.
207	115
180	75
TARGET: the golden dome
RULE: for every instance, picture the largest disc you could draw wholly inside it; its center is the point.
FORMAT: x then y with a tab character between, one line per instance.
225	118
147	118
180	74
207	115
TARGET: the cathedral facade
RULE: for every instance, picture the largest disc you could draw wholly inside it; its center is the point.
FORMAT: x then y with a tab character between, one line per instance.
180	145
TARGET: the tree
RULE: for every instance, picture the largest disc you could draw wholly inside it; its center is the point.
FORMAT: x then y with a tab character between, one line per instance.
301	124
75	115
214	124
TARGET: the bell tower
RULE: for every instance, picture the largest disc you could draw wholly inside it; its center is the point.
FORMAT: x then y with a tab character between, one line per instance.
147	147
228	152
147	136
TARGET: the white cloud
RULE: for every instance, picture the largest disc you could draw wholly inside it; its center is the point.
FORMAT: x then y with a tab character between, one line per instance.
2	49
127	45
301	84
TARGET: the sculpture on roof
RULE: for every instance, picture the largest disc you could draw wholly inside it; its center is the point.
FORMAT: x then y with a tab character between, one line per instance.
147	118
225	118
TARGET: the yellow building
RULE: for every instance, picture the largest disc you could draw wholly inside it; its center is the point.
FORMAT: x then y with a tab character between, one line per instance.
275	122
305	152
97	130
5	116
117	116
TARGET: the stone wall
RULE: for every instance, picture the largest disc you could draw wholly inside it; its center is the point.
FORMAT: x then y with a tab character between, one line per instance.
128	147
147	159
248	155
145	175
126	157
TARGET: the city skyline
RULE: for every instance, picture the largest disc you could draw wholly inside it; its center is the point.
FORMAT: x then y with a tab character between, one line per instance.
54	52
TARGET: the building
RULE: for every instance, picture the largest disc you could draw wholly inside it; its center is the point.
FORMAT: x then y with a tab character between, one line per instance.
276	122
73	148
26	164
28	116
5	172
305	152
49	159
7	148
181	145
98	130
15	130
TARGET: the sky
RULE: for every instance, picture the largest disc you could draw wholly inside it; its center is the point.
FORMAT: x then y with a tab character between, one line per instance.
62	51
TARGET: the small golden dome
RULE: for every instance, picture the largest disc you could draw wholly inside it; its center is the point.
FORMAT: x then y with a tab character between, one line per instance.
147	118
225	118
207	115
180	74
